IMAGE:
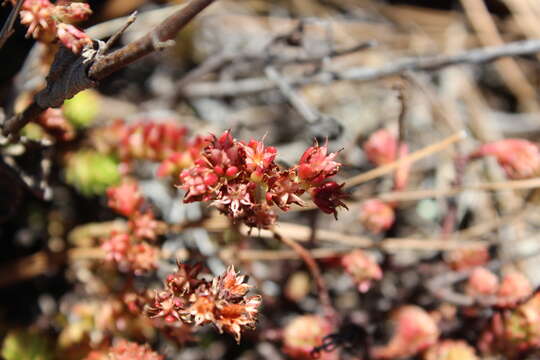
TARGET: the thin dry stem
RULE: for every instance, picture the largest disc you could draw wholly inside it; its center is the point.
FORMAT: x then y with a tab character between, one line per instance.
415	195
314	269
415	156
509	70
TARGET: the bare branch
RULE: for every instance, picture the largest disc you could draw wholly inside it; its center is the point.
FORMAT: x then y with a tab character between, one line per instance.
167	30
7	29
363	74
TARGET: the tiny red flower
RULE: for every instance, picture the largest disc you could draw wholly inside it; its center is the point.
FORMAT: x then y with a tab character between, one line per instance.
328	196
316	165
259	157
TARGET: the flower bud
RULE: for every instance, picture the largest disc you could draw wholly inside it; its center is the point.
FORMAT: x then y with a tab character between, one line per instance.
482	282
519	158
376	215
303	334
363	269
415	331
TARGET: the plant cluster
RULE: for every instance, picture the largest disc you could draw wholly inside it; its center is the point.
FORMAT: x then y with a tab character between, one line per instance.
145	284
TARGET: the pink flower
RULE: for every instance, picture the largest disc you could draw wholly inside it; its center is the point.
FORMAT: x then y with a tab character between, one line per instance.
72	12
376	215
284	191
243	180
382	148
415	331
37	15
363	269
259	157
514	288
235	200
482	282
125	198
316	165
73	38
198	183
144	226
303	334
519	158
116	247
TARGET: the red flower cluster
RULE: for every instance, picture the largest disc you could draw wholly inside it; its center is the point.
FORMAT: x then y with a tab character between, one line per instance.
519	158
166	142
47	21
125	350
244	182
130	250
222	301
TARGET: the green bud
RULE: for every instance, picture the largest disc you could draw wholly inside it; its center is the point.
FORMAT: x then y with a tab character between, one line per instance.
24	345
82	109
91	172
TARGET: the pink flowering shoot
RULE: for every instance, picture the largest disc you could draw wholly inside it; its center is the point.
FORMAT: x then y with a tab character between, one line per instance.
519	158
47	22
243	180
222	301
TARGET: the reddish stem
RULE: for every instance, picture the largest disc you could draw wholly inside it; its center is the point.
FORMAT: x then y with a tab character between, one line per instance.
315	271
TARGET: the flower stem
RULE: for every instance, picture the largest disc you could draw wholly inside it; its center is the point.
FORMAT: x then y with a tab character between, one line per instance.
315	271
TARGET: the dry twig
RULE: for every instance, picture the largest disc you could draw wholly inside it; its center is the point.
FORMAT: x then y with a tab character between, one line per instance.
364	74
322	290
7	29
